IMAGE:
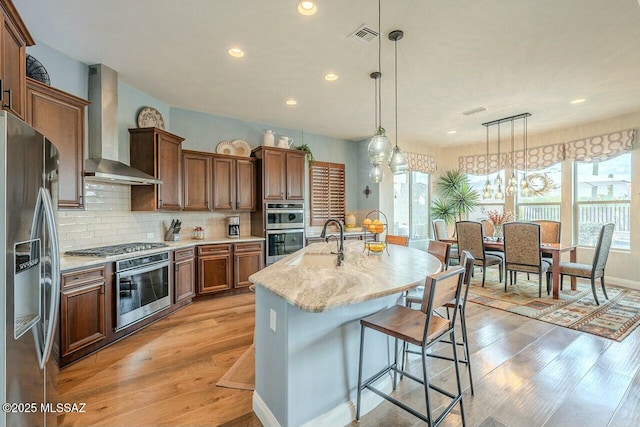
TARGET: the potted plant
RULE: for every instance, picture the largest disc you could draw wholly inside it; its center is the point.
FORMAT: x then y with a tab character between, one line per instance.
307	151
456	198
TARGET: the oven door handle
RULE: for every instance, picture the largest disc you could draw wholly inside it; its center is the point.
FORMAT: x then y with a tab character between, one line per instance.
286	231
284	211
140	270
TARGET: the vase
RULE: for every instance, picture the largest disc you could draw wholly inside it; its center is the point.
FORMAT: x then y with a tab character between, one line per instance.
497	232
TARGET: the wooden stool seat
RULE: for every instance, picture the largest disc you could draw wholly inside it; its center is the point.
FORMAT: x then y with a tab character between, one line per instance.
406	324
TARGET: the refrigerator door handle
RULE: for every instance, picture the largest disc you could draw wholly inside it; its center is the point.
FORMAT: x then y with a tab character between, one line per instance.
54	304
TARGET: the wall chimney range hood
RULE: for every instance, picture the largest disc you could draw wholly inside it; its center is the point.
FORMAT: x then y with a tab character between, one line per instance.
103	164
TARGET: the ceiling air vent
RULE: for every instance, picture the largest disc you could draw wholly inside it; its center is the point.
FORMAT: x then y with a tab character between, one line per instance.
364	34
473	111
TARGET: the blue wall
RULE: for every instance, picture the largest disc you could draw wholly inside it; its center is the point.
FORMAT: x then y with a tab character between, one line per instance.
65	73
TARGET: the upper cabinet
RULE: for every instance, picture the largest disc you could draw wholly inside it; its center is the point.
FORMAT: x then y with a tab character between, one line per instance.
158	153
197	180
14	40
282	173
60	117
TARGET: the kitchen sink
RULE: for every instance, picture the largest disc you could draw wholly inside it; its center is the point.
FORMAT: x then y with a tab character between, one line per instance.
317	260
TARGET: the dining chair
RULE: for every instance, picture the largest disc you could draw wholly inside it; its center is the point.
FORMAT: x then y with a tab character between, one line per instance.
397	240
549	232
415	298
594	270
424	329
522	253
440	232
487	228
470	239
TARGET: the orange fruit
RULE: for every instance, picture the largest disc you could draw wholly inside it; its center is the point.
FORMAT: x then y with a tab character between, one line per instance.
366	221
372	228
379	228
377	221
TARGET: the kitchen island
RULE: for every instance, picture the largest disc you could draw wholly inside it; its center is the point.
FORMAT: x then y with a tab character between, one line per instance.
307	329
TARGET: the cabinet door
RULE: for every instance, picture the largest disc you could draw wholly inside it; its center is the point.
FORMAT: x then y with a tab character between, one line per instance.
169	171
82	317
295	176
13	69
214	273
224	178
60	117
274	175
245	185
185	276
197	182
245	264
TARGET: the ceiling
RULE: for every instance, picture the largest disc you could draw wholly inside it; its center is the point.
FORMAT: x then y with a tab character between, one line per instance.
510	56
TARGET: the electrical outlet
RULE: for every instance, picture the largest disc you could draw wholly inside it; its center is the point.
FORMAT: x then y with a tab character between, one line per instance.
272	319
151	235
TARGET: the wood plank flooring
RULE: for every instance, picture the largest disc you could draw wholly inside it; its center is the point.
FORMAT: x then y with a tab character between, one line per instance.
526	373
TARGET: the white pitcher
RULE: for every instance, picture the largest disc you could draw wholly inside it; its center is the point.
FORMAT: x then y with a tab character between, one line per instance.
268	139
285	142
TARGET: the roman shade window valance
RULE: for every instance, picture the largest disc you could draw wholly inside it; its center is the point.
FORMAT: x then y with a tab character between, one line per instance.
592	149
422	162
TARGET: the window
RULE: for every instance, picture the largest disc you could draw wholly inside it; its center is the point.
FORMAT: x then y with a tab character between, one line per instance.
478	182
603	194
411	206
544	202
326	185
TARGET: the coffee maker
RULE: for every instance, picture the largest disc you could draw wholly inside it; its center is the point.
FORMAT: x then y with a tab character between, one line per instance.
233	226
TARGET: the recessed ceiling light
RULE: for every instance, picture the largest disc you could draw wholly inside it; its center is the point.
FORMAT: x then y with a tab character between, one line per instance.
451	132
331	77
307	8
578	101
291	102
236	52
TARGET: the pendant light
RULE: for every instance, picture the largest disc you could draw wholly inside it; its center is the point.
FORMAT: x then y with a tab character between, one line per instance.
525	190
380	148
513	181
376	174
498	181
398	163
487	186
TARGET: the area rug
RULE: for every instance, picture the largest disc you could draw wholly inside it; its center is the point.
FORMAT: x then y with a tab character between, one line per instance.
242	374
614	318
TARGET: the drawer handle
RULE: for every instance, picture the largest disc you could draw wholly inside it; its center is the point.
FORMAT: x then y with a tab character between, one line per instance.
10	92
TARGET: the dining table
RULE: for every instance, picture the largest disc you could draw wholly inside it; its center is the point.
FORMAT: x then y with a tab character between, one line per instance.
554	249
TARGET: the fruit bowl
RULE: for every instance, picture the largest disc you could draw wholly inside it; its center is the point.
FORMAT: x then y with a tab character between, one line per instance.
375	247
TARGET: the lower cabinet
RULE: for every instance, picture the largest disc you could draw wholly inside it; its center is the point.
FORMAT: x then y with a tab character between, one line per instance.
223	267
83	309
184	268
247	259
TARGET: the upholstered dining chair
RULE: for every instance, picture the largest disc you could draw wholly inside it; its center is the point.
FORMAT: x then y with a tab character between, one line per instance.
424	329
470	239
522	253
440	232
594	270
487	228
549	232
397	240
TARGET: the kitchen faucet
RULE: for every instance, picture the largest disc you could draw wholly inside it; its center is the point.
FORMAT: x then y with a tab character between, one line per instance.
323	235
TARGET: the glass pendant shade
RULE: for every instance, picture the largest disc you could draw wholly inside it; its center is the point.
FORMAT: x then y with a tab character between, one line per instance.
524	183
498	181
487	190
513	180
510	190
499	193
376	174
398	163
380	148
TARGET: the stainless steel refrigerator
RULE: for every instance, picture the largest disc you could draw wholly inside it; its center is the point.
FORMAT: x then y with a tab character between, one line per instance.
30	291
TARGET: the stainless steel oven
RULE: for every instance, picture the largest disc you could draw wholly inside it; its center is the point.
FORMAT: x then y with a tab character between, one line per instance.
281	243
143	287
284	216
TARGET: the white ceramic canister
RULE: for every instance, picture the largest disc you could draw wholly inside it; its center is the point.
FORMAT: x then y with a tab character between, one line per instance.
268	140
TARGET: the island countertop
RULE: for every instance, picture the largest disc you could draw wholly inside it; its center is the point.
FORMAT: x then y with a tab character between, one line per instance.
362	277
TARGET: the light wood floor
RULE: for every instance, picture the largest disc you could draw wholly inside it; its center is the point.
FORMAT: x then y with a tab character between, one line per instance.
526	373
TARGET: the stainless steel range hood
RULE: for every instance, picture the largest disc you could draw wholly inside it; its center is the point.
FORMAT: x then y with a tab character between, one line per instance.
103	164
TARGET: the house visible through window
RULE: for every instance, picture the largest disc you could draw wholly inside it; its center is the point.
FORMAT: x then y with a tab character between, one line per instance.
326	185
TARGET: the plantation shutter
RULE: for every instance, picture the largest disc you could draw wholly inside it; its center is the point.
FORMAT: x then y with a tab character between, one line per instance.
327	191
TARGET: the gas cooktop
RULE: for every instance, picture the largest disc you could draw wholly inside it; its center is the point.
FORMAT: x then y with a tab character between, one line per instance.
103	251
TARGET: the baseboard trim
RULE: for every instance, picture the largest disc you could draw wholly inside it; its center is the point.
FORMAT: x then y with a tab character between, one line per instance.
263	412
632	284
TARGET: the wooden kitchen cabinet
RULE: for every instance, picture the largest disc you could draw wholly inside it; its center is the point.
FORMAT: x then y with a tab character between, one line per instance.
158	153
234	183
13	57
60	117
214	268
184	268
83	310
197	180
282	173
247	259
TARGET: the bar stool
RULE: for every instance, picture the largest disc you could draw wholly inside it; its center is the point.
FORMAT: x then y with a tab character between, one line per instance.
421	328
414	298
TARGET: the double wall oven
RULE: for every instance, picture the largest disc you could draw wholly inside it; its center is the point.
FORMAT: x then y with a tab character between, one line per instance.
284	230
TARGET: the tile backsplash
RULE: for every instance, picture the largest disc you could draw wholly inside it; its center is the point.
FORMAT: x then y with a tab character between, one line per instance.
108	220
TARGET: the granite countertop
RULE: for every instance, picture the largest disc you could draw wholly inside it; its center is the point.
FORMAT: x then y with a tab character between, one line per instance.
310	233
72	262
362	277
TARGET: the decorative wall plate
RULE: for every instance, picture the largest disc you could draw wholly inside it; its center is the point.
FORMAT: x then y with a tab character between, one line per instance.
226	147
242	148
150	117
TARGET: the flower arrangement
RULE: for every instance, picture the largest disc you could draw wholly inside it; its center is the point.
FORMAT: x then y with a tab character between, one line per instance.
499	218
